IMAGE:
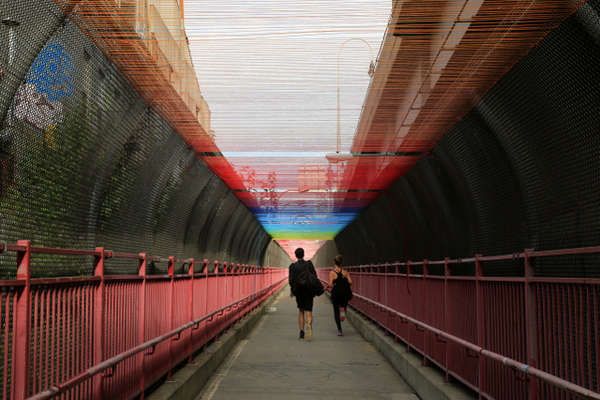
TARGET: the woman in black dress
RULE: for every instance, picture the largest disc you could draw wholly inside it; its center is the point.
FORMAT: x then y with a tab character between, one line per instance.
341	292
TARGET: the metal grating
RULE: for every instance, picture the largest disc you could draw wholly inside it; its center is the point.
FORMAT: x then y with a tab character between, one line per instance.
521	170
86	161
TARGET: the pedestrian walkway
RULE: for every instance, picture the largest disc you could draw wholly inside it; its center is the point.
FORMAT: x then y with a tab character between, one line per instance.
272	363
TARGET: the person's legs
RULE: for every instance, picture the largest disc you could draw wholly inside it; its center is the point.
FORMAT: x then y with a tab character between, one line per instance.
308	316
300	319
308	319
336	316
300	315
343	309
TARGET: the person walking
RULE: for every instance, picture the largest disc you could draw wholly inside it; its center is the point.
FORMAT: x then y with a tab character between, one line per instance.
300	284
341	291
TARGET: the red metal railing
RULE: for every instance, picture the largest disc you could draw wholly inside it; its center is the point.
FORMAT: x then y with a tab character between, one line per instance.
518	337
113	336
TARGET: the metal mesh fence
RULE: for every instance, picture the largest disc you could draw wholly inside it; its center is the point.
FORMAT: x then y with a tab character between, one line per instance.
521	170
85	161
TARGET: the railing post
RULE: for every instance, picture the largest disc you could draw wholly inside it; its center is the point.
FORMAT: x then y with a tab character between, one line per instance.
191	307
98	321
170	310
530	324
424	291
226	278
388	315
206	280
254	271
446	344
22	324
246	281
480	323
217	294
232	278
231	282
239	280
409	298
395	270
142	271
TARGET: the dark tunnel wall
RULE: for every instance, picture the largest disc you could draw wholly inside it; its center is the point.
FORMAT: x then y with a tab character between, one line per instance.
521	170
85	162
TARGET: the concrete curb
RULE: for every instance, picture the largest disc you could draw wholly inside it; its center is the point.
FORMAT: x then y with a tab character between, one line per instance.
427	382
188	381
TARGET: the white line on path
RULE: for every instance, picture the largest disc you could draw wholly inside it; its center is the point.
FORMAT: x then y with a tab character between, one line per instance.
218	377
224	370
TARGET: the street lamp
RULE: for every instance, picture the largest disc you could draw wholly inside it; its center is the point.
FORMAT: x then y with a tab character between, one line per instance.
12	25
337	157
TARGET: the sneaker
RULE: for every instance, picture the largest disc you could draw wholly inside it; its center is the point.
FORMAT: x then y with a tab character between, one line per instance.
308	335
342	314
301	335
340	333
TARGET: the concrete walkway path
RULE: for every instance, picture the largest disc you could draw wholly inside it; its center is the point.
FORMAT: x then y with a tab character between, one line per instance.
272	363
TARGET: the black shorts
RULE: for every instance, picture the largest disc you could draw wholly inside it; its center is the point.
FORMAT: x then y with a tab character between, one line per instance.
304	301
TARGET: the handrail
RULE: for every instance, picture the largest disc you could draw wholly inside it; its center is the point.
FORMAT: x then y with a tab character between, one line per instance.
98	253
113	361
524	368
11	247
528	253
527	287
228	291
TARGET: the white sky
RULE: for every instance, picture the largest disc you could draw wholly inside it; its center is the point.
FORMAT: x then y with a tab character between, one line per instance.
268	68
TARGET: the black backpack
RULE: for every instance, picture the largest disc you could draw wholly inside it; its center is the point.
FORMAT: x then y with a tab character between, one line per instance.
303	275
307	280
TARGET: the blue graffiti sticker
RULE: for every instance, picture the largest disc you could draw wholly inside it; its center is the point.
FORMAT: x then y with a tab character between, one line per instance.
52	72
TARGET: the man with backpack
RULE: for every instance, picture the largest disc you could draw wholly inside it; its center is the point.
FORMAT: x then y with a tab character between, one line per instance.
302	278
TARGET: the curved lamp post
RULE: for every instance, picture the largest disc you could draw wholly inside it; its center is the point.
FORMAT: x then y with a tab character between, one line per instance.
337	157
